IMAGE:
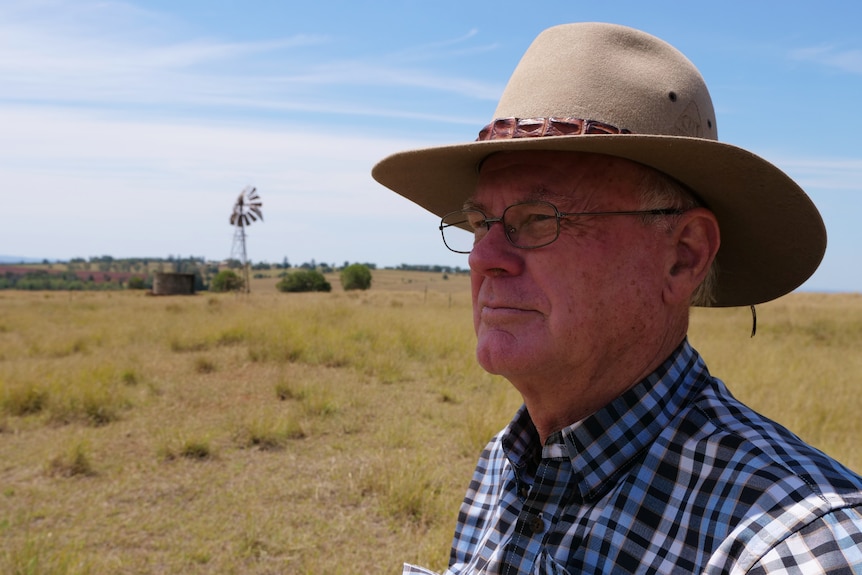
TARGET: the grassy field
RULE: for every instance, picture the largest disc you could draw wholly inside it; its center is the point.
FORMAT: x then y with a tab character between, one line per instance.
308	433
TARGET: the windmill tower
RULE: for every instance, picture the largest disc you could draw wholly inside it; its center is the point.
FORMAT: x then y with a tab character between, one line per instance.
245	211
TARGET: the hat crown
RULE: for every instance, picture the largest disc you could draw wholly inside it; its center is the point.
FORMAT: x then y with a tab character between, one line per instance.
612	74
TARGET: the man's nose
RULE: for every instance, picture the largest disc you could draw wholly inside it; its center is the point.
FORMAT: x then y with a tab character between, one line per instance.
494	254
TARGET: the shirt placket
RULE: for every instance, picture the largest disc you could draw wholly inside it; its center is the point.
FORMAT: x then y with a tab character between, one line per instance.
538	514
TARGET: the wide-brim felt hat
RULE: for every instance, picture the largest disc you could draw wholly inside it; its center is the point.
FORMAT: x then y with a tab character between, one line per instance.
609	89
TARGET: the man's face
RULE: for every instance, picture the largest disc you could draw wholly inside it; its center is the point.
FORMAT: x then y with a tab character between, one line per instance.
582	305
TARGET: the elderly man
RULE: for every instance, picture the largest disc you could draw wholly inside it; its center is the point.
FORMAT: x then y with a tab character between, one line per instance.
597	207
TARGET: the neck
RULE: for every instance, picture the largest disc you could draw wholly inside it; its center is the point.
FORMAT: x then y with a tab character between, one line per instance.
578	395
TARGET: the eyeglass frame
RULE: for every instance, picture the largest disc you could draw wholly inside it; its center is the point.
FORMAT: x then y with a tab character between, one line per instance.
487	222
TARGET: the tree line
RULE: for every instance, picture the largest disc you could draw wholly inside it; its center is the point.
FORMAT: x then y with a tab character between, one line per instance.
109	273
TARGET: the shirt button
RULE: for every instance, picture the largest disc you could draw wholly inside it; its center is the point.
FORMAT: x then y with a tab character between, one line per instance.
536	524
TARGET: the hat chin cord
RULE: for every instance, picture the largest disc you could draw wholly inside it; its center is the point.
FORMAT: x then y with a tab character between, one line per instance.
753	321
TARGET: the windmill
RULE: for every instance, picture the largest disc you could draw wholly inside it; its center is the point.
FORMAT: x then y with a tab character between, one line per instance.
245	211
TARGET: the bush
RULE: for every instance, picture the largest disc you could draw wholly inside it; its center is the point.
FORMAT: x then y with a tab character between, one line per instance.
303	280
226	280
356	276
136	282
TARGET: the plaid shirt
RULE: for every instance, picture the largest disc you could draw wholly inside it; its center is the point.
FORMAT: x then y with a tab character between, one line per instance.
674	476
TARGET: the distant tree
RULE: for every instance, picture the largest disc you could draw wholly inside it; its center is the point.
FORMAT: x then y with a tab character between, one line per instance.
136	282
234	264
226	280
356	276
303	281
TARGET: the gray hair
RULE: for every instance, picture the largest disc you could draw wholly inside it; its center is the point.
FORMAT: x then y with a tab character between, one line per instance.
659	190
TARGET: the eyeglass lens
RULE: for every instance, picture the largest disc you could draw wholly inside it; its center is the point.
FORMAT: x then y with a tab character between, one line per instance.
527	225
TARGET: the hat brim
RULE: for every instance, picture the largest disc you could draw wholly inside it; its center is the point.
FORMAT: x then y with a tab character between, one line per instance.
772	236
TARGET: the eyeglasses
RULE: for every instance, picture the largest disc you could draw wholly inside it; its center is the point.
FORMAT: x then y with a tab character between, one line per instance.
527	225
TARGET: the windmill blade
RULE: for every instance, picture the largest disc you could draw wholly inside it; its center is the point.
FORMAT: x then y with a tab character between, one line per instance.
247	208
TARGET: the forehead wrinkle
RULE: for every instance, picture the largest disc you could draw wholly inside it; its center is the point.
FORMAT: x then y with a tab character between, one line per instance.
573	182
555	198
540	192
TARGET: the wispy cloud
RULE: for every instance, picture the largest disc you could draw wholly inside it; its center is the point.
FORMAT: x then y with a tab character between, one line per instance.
848	60
359	73
825	174
113	54
444	49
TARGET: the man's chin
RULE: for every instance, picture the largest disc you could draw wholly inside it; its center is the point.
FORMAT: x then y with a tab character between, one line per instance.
500	354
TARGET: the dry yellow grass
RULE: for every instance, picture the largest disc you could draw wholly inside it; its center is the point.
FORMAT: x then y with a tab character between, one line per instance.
307	433
802	368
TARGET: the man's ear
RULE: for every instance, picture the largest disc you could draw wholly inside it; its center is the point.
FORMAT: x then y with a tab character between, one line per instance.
694	242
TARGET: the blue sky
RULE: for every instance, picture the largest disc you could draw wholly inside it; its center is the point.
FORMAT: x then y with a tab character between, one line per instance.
129	128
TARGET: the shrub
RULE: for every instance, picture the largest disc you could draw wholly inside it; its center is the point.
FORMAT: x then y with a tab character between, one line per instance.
356	276
136	282
226	280
303	280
